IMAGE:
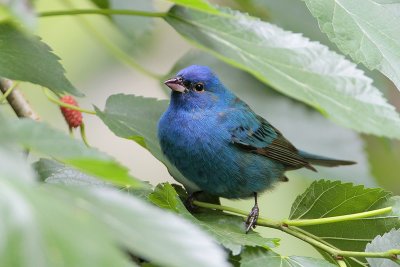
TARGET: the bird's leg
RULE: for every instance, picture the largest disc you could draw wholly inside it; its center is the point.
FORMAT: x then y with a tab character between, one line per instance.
253	215
189	201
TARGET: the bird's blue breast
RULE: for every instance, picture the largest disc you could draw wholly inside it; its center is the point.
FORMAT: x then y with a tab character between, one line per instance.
199	143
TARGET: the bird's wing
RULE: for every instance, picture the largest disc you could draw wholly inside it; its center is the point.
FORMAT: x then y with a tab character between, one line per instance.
266	140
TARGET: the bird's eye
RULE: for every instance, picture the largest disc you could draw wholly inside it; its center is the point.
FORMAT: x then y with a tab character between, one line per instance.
199	87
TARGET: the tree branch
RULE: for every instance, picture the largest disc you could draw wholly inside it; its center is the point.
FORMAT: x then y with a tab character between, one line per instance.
288	226
17	101
102	12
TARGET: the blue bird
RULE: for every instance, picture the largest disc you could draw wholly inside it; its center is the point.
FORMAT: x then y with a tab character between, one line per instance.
221	146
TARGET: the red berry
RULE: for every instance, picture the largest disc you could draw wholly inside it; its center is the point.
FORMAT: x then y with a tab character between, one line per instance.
73	117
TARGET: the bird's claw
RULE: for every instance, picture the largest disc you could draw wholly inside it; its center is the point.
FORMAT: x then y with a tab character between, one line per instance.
252	218
189	202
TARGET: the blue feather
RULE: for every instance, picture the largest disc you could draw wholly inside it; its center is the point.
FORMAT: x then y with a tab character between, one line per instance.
217	142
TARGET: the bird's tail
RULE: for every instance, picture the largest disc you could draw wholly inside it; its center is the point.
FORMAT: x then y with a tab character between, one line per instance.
324	161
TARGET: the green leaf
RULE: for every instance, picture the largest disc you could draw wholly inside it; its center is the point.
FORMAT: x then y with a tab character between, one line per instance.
46	222
26	58
149	232
43	139
148	264
146	231
327	199
394	202
201	5
54	172
130	116
333	198
294	16
235	260
388	241
293	65
138	139
101	3
38	229
366	30
257	257
166	197
228	230
289	117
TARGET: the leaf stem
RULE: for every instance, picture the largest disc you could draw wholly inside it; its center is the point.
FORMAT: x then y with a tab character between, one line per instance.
348	217
312	236
62	104
83	135
320	240
337	252
102	12
311	239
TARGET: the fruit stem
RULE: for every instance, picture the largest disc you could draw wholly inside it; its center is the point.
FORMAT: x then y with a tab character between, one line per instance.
62	104
83	134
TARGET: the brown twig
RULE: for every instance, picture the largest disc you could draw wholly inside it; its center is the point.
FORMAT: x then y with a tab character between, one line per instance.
17	101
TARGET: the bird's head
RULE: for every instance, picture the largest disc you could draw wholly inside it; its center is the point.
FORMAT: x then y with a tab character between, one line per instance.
196	87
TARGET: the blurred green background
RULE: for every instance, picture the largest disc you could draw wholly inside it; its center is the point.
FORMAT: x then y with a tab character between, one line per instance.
86	45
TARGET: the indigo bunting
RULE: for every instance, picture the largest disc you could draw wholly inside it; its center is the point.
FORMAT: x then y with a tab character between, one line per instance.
221	146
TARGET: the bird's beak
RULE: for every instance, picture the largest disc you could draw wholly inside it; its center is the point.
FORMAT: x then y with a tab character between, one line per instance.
176	84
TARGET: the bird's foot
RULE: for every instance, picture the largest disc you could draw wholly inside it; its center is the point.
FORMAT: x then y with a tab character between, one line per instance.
189	201
252	218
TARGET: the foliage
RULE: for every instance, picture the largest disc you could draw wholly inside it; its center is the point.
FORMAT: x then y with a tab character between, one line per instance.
40	138
348	24
258	257
293	65
64	215
66	204
390	240
327	199
226	229
26	58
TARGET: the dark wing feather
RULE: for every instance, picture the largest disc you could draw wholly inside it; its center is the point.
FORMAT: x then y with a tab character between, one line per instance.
268	141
